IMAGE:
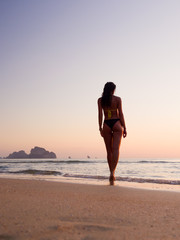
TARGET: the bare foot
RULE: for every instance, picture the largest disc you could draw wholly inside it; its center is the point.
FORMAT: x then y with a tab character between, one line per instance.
112	179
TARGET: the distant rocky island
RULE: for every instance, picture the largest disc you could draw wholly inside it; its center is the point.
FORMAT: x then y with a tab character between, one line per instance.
36	152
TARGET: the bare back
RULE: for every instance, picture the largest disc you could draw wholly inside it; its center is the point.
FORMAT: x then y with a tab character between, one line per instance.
112	112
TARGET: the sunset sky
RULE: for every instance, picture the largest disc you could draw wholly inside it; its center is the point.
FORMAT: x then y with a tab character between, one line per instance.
56	56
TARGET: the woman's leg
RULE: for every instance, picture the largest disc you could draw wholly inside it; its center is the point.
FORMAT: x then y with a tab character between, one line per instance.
116	139
107	135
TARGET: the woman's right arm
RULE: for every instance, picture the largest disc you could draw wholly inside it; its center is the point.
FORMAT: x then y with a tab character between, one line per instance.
100	115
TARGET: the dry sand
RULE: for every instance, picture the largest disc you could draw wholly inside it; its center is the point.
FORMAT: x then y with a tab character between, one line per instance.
32	209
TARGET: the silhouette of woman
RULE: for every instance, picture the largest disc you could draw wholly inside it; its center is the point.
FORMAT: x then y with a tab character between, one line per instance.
113	127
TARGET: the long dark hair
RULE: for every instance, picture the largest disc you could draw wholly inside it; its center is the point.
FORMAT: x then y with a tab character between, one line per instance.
108	91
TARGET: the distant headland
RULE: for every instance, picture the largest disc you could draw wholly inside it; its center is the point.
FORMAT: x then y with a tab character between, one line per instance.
36	152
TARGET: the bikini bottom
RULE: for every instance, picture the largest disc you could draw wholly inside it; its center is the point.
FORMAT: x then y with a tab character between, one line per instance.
111	122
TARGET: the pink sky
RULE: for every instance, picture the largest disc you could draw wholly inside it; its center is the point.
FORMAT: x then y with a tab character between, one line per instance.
56	57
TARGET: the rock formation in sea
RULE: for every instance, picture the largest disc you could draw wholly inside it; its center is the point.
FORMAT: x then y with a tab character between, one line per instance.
20	154
36	152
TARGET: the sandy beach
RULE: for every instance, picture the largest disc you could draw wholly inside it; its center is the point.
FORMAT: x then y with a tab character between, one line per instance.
32	209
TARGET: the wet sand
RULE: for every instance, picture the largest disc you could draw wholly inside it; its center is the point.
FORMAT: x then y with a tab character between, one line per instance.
42	210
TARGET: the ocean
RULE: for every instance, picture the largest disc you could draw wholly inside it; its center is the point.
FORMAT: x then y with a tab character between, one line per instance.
164	172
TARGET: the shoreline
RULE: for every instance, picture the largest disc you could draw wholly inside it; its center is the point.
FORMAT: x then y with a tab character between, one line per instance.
98	182
32	209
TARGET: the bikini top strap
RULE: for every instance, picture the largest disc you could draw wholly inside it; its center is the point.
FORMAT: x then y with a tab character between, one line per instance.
109	112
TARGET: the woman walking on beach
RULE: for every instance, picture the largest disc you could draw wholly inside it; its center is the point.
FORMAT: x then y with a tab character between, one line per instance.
113	127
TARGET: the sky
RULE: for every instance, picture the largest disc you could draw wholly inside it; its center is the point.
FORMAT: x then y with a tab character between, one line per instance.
56	56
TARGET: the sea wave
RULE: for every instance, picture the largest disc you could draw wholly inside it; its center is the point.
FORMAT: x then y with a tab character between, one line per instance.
3	167
127	179
95	177
84	161
151	161
49	161
37	172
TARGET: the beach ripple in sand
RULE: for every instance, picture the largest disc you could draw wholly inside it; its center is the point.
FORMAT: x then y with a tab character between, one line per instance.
40	210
